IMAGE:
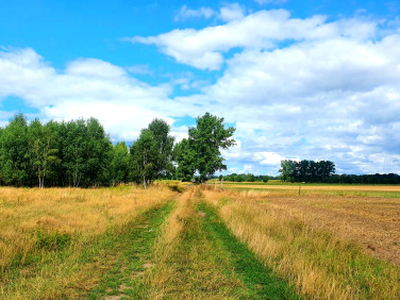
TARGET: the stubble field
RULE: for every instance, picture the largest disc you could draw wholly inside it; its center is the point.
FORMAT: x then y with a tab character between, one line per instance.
247	241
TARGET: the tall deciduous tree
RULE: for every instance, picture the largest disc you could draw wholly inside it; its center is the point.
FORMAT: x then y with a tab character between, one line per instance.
42	151
185	156
160	129
86	152
14	159
119	166
306	170
204	145
144	154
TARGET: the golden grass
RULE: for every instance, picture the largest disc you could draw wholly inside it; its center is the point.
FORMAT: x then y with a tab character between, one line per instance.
376	191
184	258
166	244
333	187
78	213
320	263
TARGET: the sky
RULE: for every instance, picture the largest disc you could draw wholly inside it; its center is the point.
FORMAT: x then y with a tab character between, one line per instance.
316	80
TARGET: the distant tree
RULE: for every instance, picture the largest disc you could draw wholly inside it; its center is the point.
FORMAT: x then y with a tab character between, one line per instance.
185	156
306	170
165	143
86	151
74	153
14	158
206	140
144	155
98	150
42	151
288	170
119	166
265	179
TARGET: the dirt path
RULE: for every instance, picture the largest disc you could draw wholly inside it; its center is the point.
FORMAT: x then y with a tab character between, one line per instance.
198	258
130	260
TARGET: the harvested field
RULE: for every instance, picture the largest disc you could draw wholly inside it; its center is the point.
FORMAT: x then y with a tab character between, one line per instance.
374	224
371	221
330	247
363	188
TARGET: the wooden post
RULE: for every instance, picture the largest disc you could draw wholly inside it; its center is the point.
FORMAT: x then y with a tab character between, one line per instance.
299	190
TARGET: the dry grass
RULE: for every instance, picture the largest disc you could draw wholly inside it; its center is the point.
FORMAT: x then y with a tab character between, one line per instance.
307	247
387	191
166	245
35	221
316	187
185	258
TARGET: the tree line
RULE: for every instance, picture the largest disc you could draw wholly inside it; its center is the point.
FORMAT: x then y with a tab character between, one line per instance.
249	177
390	178
306	170
79	153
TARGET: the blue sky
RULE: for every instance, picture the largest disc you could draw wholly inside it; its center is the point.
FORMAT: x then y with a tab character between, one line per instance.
298	79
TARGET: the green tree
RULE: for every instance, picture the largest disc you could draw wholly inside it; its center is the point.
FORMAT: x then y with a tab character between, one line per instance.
86	152
98	149
74	153
42	153
163	165
306	170
14	159
144	155
119	166
185	156
288	170
204	144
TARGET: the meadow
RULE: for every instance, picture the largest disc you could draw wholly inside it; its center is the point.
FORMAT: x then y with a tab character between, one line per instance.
246	241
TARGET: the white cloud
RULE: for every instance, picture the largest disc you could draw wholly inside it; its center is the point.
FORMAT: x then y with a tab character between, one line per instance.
203	49
262	2
268	158
331	93
186	13
232	12
140	69
86	88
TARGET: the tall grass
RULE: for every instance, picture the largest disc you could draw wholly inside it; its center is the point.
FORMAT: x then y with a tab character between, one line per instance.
317	262
46	234
384	191
188	262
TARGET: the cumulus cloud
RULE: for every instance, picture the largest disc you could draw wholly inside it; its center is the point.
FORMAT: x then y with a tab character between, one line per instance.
186	13
86	88
330	91
232	12
203	49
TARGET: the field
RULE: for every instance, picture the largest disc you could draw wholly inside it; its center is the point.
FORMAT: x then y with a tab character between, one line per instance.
246	241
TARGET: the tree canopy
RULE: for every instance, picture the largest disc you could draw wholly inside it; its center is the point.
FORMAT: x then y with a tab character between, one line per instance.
201	152
152	153
306	170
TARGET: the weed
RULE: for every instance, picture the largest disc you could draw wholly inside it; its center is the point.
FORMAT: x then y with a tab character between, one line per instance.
52	240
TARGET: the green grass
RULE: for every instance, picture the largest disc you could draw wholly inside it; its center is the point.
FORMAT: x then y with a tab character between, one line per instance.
92	268
124	277
260	281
